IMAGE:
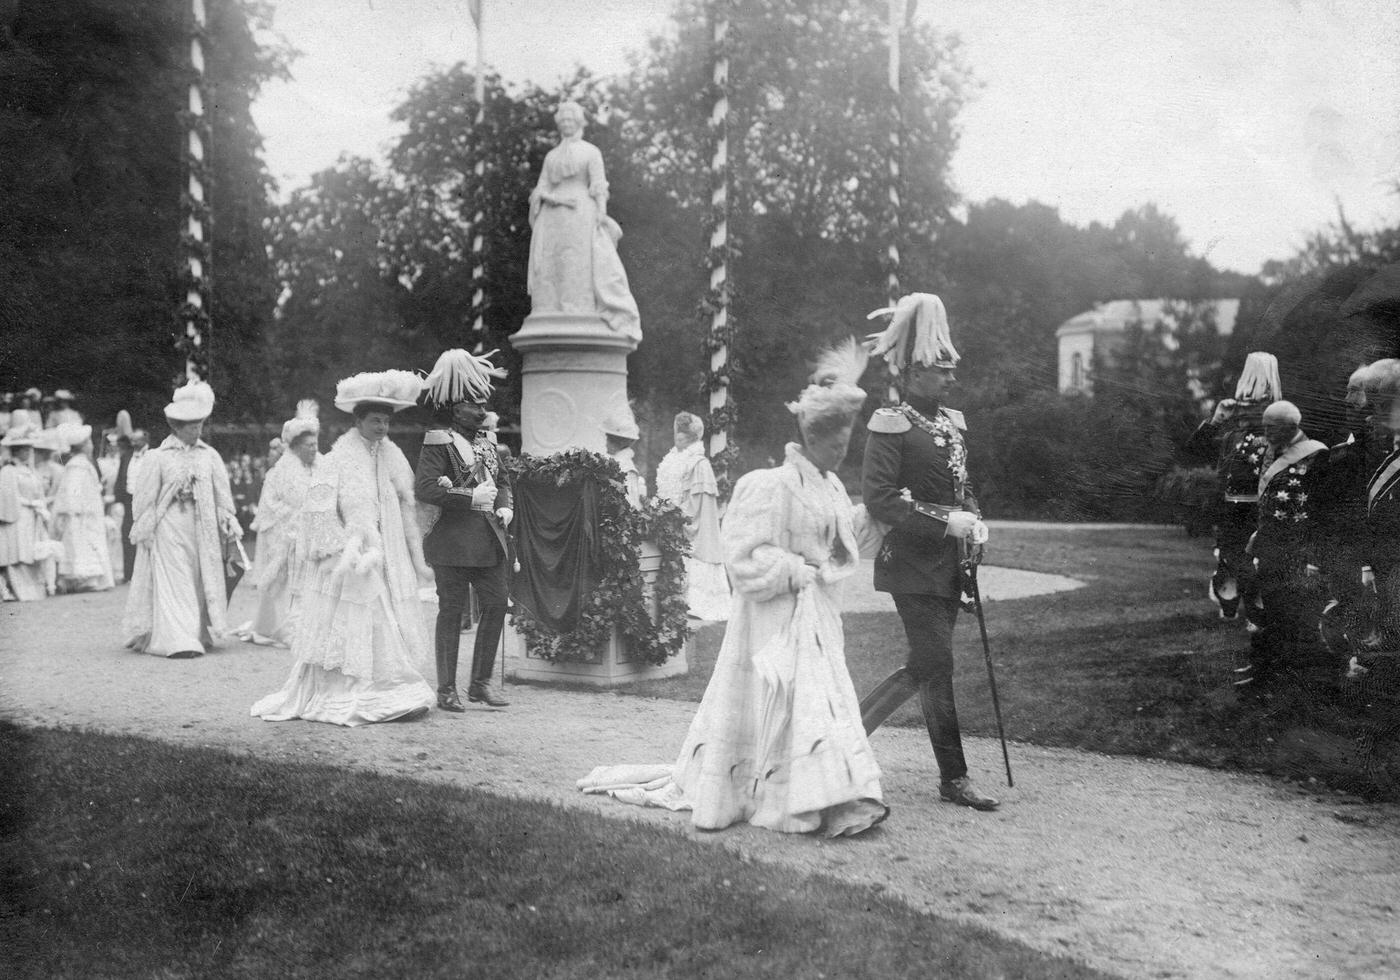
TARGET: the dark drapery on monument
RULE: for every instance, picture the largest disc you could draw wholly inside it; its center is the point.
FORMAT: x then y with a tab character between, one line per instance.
557	546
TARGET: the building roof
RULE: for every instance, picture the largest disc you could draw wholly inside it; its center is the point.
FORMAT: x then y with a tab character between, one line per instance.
1115	315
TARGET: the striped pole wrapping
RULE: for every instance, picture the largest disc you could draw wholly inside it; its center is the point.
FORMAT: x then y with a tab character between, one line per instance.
479	213
195	235
721	414
892	261
892	249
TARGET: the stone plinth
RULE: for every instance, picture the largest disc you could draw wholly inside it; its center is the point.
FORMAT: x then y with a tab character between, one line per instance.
574	374
609	667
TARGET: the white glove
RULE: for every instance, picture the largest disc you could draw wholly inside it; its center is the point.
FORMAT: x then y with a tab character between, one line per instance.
445	482
506	515
980	533
1224	410
961	523
484	495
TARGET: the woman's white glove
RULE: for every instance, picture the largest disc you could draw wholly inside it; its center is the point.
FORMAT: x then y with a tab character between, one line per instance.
961	524
484	495
506	515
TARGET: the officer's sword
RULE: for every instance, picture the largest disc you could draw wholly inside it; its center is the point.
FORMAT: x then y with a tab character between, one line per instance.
971	568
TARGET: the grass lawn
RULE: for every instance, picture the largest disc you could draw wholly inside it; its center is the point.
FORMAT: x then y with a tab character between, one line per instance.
1137	662
129	858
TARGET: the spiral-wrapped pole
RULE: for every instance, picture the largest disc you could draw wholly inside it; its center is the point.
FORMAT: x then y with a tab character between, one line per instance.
478	285
897	14
721	420
193	316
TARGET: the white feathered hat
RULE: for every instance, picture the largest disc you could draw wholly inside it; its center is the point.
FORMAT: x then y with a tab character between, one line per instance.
1259	379
459	376
72	434
396	389
191	402
918	334
307	419
833	392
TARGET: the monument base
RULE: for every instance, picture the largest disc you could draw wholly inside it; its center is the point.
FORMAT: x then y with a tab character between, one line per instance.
610	667
573	376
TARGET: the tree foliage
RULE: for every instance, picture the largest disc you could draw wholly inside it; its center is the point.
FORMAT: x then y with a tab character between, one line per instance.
90	92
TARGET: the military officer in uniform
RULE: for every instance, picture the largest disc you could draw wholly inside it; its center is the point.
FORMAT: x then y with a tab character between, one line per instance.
1233	439
1349	619
914	480
1381	538
1286	549
460	473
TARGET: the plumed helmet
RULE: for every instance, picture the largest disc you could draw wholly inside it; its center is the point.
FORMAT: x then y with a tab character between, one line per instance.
459	376
918	333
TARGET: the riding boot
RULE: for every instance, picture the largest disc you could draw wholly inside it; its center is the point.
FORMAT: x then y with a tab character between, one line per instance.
941	717
880	703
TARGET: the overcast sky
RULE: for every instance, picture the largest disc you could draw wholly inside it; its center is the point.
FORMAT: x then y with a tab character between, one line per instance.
1247	120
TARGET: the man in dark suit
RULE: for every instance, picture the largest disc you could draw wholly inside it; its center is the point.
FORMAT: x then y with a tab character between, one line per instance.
914	480
460	472
131	450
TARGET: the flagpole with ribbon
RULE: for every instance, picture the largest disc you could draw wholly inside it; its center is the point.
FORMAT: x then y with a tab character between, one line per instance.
478	226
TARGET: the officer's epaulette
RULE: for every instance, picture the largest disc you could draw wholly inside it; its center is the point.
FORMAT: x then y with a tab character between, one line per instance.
889	420
956	418
437	437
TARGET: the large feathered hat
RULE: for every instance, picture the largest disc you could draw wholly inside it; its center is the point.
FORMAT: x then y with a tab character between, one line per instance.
1259	379
20	436
307	419
396	389
833	392
918	334
459	376
72	434
191	402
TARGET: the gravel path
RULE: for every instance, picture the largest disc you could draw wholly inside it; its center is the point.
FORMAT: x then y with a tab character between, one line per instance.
1143	868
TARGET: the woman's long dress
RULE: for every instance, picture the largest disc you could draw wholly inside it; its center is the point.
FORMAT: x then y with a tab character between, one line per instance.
183	511
24	539
574	266
80	524
279	561
360	632
686	479
777	741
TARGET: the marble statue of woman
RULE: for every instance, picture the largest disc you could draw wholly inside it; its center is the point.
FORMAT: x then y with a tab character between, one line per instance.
574	266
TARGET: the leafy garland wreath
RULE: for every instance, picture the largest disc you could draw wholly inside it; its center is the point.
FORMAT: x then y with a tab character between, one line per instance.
618	599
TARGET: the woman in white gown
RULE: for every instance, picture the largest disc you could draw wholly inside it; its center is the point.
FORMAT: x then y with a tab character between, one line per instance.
80	517
685	478
360	632
183	519
777	741
279	562
24	541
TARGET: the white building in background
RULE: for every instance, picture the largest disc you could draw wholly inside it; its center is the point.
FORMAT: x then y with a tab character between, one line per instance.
1100	332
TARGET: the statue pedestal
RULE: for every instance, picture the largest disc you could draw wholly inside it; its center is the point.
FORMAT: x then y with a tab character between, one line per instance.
608	667
574	375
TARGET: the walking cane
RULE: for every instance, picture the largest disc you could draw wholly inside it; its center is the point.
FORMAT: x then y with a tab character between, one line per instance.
970	567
